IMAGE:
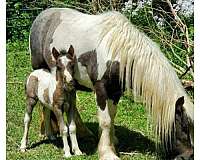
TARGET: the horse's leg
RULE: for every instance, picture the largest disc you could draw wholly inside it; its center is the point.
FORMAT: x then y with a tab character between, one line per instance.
82	130
63	129
72	125
106	146
113	111
27	119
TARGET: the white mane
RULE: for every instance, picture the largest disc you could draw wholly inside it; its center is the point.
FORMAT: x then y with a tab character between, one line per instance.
144	67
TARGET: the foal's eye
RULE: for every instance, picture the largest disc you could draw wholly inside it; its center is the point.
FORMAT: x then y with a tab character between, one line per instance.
59	60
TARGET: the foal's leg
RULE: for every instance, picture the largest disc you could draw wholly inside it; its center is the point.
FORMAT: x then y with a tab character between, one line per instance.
106	145
42	124
72	133
63	129
82	130
47	122
72	125
27	119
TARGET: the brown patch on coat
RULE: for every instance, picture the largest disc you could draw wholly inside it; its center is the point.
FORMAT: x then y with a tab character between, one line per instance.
101	94
54	124
112	82
89	60
32	86
58	96
46	95
109	86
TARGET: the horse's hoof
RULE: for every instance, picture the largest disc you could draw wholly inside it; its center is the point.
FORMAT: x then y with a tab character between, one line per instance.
109	156
78	153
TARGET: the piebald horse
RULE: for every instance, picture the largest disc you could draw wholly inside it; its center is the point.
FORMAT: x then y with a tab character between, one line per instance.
56	93
113	56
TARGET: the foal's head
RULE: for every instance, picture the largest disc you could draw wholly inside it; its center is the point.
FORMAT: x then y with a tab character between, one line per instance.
182	147
65	62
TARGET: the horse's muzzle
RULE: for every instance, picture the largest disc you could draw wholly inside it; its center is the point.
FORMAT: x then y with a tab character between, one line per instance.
187	155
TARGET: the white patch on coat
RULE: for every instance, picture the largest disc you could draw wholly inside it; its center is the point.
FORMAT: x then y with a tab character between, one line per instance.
45	80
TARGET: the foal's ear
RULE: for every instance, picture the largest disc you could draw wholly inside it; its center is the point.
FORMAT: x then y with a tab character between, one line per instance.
55	53
71	51
179	105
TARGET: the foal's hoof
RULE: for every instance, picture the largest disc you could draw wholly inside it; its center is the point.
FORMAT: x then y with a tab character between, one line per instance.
52	137
23	150
42	136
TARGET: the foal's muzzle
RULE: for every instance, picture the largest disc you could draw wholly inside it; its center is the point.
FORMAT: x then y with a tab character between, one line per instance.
68	86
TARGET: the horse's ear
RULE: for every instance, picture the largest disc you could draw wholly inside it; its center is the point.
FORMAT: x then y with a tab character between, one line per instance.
71	51
179	105
55	53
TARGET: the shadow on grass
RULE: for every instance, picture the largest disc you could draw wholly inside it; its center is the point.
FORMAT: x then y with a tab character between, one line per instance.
129	141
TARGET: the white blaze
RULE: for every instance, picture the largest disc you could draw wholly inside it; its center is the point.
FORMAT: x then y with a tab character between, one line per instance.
65	61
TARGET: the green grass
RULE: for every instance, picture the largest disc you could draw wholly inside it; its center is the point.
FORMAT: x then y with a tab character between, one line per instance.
131	121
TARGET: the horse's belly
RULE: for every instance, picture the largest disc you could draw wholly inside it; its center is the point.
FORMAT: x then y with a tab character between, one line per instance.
82	77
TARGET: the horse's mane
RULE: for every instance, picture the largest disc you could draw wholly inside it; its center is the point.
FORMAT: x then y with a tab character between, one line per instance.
146	71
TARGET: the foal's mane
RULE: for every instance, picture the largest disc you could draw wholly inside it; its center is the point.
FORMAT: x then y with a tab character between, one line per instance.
63	52
146	71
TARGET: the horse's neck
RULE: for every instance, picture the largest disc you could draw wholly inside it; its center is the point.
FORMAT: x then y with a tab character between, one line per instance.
53	70
59	77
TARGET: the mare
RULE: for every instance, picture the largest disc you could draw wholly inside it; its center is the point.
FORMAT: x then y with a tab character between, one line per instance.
113	56
56	93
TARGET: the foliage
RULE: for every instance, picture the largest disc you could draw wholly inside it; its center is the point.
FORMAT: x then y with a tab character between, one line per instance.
21	13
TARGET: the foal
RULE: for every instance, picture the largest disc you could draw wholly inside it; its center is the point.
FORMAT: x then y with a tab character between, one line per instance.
55	92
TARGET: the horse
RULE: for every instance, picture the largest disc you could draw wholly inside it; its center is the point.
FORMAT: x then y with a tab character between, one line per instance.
114	56
56	93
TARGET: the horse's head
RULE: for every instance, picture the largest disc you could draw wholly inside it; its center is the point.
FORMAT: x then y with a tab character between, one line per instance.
65	62
182	147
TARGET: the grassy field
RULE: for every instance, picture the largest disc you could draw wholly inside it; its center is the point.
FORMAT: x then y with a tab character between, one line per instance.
131	120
